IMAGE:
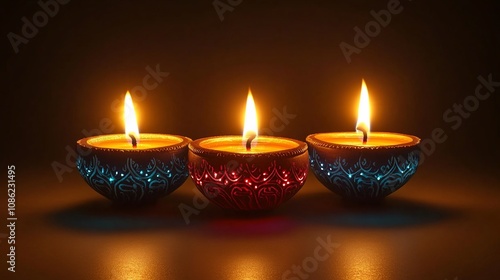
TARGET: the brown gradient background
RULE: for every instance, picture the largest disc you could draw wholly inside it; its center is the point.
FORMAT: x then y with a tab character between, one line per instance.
443	224
65	79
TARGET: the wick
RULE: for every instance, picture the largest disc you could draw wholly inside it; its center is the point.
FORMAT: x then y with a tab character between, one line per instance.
250	139
134	140
362	127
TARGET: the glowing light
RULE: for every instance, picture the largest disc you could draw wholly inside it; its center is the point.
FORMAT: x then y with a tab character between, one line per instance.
130	117
363	110
250	127
367	260
129	261
248	267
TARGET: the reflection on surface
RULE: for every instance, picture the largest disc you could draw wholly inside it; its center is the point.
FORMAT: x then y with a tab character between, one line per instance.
129	261
393	212
100	215
247	267
251	226
367	260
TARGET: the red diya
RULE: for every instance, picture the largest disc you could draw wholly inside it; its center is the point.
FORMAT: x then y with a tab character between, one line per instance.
363	165
248	172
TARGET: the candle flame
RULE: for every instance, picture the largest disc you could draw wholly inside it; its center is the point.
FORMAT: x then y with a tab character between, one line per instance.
363	110
131	127
250	127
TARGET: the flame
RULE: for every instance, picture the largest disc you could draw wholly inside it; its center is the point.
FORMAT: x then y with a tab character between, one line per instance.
131	127
250	118
364	109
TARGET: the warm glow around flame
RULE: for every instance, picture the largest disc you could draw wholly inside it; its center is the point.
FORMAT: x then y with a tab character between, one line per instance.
364	109
130	118
250	118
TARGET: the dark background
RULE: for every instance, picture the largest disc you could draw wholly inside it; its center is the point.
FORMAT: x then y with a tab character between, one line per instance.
64	80
428	58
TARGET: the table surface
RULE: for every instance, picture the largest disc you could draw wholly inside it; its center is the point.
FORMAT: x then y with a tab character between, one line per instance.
444	224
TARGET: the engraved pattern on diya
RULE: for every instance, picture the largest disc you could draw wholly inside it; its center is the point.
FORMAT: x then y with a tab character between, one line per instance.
129	175
366	172
234	178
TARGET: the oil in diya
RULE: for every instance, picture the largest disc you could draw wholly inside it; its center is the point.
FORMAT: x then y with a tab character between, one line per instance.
363	165
133	168
248	172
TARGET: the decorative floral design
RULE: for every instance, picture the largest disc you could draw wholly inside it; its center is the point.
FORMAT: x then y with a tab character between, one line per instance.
133	183
247	187
364	179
